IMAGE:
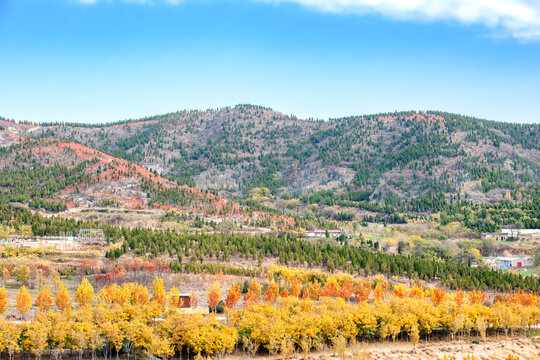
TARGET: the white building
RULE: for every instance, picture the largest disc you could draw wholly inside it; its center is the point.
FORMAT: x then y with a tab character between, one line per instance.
517	261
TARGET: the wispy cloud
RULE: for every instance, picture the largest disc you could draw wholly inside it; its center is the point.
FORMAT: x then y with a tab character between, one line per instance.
516	18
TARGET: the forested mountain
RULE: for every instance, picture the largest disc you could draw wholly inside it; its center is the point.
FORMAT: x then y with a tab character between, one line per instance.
383	163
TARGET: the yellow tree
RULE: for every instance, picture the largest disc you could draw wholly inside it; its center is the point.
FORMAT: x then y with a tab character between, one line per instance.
44	300
84	294
22	273
399	291
3	301
35	337
214	295
160	346
158	292
59	331
10	335
414	334
24	301
62	300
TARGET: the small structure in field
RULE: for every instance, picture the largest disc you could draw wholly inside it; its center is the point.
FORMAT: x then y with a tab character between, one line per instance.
185	301
91	235
318	233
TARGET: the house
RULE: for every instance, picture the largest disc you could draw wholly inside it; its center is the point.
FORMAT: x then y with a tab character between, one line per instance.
509	234
184	300
318	233
517	261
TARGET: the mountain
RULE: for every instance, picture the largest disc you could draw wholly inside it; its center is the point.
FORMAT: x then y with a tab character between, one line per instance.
410	162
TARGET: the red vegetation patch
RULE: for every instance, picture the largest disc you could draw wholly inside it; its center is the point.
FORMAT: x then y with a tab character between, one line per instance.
12	136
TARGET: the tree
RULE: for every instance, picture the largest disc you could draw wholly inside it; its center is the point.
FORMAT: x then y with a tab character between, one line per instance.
362	290
84	295
62	299
44	300
10	334
22	273
24	301
296	289
254	292
214	295
3	301
272	294
36	337
158	292
233	296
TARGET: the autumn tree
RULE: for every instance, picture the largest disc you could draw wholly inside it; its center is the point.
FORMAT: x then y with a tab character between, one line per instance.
214	295
379	291
272	294
347	289
62	299
295	288
84	295
233	296
21	273
44	300
158	292
437	296
254	292
24	301
331	288
362	290
3	301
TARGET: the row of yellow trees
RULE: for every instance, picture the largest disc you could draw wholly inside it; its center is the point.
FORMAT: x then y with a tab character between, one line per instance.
292	314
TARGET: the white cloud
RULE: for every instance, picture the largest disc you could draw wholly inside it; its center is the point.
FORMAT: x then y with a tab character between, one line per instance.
517	18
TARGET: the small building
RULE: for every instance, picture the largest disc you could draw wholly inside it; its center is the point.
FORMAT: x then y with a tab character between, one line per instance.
184	300
517	261
318	233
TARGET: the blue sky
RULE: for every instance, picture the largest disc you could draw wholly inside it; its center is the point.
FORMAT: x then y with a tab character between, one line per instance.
98	61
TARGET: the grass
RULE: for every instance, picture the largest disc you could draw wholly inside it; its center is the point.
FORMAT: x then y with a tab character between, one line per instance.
374	237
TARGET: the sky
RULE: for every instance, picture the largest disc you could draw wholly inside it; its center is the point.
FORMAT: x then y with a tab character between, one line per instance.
107	60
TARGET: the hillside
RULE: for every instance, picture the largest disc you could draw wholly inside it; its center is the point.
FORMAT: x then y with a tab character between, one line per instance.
403	162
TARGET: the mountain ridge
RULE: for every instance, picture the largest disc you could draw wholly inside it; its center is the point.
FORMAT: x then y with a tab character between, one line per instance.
406	161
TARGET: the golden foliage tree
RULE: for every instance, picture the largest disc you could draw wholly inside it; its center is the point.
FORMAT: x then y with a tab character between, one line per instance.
24	301
44	300
158	292
3	301
62	299
84	295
